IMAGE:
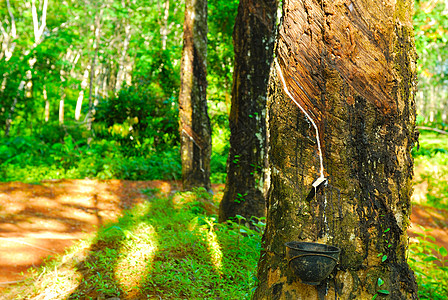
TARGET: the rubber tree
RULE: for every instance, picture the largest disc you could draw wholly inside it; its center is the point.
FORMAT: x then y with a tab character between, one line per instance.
341	110
254	37
195	130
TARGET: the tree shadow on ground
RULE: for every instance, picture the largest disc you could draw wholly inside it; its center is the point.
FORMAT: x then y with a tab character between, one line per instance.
165	248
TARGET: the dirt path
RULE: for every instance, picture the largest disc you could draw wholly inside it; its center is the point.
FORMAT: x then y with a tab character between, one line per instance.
41	220
37	221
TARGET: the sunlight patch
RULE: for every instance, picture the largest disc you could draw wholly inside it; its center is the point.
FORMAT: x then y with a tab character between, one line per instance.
213	245
63	282
58	280
136	257
215	250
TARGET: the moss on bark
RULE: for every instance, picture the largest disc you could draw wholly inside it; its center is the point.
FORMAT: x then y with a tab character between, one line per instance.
352	66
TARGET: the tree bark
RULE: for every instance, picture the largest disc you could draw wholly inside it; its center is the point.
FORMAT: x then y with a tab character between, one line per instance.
97	39
8	39
47	105
164	23
122	63
39	29
350	66
254	37
62	100
81	95
194	120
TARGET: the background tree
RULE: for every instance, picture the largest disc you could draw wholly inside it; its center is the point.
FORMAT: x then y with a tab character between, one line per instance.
351	67
194	121
253	38
431	34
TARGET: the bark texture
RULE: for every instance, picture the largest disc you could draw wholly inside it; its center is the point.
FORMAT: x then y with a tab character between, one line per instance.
254	37
351	66
194	121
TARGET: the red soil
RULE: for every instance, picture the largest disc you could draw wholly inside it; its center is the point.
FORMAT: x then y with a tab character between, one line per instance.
37	221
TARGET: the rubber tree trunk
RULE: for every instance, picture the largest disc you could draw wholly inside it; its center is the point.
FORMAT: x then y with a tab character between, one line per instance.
254	37
351	67
194	121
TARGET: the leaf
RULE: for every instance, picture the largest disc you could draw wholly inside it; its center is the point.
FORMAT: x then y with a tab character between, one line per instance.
443	251
430	237
387	230
385	292
383	259
380	282
374	297
239	217
430	258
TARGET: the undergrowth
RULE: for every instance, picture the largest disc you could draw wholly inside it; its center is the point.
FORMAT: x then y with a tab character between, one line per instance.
430	265
165	248
173	248
431	161
28	159
429	261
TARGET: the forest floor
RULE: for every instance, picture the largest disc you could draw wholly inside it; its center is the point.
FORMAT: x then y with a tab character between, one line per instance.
38	221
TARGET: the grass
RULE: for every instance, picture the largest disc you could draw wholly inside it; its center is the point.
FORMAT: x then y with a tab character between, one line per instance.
431	169
165	248
430	265
29	159
172	248
429	261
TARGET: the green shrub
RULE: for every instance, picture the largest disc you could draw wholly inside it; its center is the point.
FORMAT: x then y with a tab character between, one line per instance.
28	159
163	248
430	265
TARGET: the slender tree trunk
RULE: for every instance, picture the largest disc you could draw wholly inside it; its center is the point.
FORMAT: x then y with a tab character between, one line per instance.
62	100
97	34
13	108
39	29
194	121
8	40
122	63
61	109
92	76
254	36
164	25
47	104
343	87
81	95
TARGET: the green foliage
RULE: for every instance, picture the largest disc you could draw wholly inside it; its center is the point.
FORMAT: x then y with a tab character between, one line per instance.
138	122
430	265
431	36
28	159
221	19
163	248
220	151
240	197
220	56
137	119
431	159
129	37
431	29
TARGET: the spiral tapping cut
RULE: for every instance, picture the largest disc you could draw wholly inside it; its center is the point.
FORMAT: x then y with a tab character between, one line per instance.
319	181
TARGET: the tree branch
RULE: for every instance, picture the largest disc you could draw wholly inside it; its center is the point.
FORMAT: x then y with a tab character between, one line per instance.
13	22
39	30
432	129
